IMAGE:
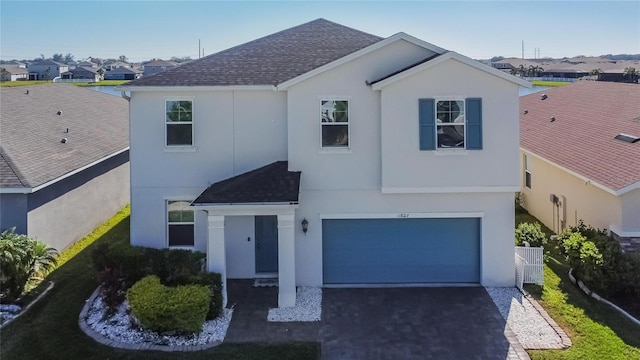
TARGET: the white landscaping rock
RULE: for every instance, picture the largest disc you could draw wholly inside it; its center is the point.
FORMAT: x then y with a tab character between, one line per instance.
119	327
308	307
523	319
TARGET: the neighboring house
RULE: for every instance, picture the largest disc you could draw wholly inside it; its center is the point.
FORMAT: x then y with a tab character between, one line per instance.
116	64
13	73
82	72
574	167
46	70
157	66
61	175
87	64
565	73
122	73
327	156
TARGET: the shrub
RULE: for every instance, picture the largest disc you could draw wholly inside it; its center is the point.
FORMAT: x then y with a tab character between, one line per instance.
22	260
213	281
531	233
162	308
113	289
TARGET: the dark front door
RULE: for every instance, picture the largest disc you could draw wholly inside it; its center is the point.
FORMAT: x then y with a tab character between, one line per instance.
266	244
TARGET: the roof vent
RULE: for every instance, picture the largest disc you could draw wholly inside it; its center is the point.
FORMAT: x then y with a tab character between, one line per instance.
627	138
27	93
59	112
526	111
544	96
553	118
64	140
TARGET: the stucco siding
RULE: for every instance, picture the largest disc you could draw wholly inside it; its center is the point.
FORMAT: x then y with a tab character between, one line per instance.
404	165
359	166
584	201
495	210
13	212
631	213
68	217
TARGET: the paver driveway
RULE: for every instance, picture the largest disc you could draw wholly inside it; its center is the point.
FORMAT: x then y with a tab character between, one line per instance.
383	323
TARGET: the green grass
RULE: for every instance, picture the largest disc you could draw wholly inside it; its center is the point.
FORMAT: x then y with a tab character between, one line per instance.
549	83
596	330
49	330
23	83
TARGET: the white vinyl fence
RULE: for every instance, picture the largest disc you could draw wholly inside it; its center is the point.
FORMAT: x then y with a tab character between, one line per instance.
529	265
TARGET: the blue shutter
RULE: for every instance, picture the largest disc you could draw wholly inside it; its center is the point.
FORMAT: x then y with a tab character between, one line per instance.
474	123
427	115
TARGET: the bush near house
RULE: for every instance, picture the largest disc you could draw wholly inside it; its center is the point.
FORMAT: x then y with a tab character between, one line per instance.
161	308
531	233
23	260
121	265
598	261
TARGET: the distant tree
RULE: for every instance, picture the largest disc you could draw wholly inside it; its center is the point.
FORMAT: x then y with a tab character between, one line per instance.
101	73
122	58
596	73
180	59
534	70
47	74
57	57
497	58
631	74
522	71
68	58
4	75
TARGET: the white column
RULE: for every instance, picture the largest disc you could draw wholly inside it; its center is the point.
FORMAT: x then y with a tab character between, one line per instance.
216	253
286	261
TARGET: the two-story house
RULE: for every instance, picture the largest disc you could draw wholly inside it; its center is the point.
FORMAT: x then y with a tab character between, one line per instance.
46	70
156	66
327	156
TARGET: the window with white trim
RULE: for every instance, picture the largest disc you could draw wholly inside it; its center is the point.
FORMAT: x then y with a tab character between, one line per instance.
334	115
179	122
450	124
180	224
527	172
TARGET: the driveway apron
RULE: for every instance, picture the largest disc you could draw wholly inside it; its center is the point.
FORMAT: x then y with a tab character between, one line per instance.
383	323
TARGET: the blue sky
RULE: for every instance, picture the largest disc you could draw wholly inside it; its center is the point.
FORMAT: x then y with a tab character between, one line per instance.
142	30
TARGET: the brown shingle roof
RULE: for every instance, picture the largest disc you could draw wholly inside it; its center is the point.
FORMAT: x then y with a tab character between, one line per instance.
270	60
272	183
31	131
589	114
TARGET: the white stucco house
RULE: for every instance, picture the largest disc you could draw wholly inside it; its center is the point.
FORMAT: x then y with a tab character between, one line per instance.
326	156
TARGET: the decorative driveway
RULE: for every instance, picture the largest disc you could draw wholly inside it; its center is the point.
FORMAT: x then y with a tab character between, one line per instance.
383	323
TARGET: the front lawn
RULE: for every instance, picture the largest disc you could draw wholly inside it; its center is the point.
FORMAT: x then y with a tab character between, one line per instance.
49	330
596	330
23	83
549	83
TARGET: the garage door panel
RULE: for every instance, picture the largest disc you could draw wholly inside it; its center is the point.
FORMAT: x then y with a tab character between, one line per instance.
401	250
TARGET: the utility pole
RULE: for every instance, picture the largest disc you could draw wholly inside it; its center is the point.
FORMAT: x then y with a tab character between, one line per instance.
198	48
522	49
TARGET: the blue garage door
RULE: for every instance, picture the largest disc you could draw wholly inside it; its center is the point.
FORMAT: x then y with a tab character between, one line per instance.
387	251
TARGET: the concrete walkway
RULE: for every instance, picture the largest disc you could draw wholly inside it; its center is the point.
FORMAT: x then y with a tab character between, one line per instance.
383	323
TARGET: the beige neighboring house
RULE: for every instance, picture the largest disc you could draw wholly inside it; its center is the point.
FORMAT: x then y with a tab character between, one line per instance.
13	73
580	157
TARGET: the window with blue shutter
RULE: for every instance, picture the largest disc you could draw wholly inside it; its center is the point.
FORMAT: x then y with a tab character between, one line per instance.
474	123
427	124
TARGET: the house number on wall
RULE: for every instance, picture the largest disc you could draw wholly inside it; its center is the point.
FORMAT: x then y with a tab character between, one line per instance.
403	215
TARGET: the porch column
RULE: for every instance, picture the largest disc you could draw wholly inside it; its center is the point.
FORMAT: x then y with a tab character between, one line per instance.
216	253
286	261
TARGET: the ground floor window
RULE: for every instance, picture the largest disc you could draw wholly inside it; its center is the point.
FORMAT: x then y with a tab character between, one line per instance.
180	223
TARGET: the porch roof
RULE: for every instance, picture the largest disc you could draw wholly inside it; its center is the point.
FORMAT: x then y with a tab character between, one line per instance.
270	184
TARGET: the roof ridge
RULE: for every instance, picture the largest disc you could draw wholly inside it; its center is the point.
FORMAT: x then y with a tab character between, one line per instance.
12	166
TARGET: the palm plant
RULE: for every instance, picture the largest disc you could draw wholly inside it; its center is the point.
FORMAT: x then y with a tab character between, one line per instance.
22	260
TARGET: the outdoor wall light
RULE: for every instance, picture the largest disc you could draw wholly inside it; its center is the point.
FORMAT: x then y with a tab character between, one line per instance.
305	226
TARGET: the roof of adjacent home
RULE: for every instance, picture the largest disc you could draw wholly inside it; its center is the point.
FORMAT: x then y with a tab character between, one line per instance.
270	60
123	70
588	116
273	183
48	63
31	147
159	62
14	69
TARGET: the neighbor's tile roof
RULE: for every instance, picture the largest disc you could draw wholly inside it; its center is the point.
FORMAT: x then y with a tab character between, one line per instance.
14	69
31	131
270	60
272	183
589	114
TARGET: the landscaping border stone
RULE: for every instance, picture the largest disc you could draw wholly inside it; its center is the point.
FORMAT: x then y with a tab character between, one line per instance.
565	339
588	292
24	310
130	346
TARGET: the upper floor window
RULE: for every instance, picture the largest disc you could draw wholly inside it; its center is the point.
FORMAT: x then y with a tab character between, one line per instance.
179	122
335	123
450	123
180	224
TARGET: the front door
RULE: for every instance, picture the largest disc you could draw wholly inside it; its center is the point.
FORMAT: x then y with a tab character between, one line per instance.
266	244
